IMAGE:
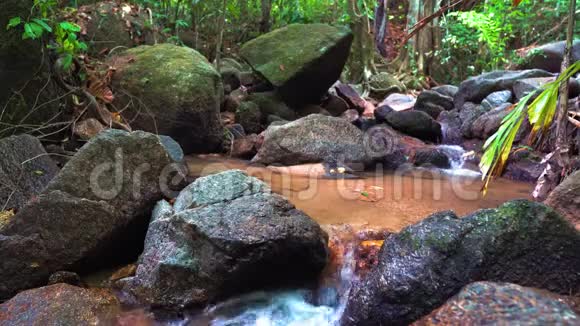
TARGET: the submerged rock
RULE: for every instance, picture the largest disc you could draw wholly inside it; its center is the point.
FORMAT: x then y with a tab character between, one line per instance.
229	234
566	198
25	170
61	304
301	60
425	264
179	94
312	139
107	188
488	303
475	89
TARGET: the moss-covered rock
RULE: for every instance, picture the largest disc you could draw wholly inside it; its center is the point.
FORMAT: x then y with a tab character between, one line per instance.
302	60
170	90
520	242
271	104
383	84
249	116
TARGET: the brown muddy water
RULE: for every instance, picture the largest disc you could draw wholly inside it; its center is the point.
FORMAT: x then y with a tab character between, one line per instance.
390	200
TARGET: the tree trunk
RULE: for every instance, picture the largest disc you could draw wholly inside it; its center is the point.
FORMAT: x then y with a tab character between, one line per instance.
562	142
361	61
382	27
266	11
220	38
420	49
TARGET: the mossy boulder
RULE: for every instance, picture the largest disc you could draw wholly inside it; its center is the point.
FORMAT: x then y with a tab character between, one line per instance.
520	242
249	116
271	104
173	91
383	84
227	233
301	61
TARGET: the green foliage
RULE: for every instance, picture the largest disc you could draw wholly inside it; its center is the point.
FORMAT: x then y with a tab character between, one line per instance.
540	112
487	37
43	22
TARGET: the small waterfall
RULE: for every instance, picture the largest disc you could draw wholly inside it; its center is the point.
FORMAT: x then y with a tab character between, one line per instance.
457	157
288	308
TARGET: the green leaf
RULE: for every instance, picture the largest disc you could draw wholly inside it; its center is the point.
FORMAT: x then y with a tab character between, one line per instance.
32	30
43	24
70	27
67	61
14	21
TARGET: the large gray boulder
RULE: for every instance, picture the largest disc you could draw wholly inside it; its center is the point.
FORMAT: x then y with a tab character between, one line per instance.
301	61
315	138
475	89
566	198
25	170
226	234
170	90
549	56
520	242
489	303
107	188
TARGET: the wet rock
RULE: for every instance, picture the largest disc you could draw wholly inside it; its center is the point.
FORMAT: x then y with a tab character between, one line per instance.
488	303
398	102
249	116
425	264
245	147
383	84
108	187
60	304
301	60
496	99
335	105
381	113
475	89
524	165
468	114
25	170
435	98
315	138
566	198
525	86
488	123
350	115
230	236
450	127
351	96
271	104
179	94
431	156
447	90
415	123
70	278
549	56
107	25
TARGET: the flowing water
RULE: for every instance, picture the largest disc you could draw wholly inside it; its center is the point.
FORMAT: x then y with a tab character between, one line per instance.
389	201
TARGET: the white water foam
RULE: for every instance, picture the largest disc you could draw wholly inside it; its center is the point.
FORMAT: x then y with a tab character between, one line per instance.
286	308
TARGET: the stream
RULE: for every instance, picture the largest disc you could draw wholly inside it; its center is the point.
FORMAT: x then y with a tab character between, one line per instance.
375	200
